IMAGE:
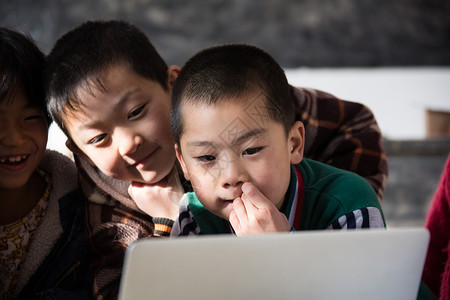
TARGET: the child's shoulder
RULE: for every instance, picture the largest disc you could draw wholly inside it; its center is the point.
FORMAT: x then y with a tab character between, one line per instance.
316	172
61	169
338	184
55	160
337	198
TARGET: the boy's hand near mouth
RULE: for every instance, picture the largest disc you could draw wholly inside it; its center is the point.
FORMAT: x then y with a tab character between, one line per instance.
253	213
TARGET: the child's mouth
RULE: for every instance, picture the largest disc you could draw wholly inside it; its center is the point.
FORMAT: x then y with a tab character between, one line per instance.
13	160
141	164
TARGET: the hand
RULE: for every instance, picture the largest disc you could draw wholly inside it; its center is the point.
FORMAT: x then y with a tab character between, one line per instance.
160	199
253	213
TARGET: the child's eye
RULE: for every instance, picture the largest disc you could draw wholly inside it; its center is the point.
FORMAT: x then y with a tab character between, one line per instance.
205	158
33	114
98	139
33	117
134	113
251	151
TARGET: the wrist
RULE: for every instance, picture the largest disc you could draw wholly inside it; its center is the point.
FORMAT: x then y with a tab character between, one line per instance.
163	226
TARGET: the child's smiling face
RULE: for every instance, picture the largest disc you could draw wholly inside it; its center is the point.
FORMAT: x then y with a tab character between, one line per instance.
232	142
123	127
23	138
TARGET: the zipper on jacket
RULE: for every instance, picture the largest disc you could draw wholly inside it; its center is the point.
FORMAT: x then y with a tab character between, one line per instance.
69	271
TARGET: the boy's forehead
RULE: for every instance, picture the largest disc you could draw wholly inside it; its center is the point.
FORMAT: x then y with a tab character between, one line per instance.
78	100
115	79
230	120
97	87
16	95
253	104
90	85
72	115
87	98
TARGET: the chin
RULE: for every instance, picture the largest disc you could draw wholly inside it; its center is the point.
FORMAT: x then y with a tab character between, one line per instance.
154	177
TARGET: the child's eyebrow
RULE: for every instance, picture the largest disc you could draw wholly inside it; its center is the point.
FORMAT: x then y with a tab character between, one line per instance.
118	105
199	144
126	97
229	139
248	134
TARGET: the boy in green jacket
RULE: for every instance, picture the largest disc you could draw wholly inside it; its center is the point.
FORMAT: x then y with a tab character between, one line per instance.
240	146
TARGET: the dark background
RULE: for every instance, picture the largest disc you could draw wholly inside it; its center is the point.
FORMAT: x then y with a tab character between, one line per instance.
315	33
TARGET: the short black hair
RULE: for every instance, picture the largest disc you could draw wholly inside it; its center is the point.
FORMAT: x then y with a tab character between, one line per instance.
81	56
22	62
232	71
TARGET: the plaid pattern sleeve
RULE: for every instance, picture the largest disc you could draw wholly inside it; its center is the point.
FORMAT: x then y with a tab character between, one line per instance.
113	223
111	229
343	134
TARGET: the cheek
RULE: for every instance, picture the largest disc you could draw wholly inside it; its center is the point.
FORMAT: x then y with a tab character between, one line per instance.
104	160
40	132
202	180
272	179
159	118
159	131
110	164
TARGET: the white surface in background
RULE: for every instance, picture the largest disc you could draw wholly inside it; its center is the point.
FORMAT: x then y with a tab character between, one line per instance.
398	97
57	140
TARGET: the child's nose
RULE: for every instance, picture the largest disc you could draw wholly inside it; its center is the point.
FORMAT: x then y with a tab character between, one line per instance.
11	135
128	142
233	174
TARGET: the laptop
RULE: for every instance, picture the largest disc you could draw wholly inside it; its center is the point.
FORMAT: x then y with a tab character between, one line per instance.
353	264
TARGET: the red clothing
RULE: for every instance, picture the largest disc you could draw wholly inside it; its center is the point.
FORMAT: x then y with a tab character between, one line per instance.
436	272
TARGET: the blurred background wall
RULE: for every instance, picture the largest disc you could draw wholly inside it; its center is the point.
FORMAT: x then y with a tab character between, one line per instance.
315	33
392	55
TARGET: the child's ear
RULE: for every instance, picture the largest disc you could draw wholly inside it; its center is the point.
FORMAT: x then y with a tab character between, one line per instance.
183	165
74	148
172	74
297	142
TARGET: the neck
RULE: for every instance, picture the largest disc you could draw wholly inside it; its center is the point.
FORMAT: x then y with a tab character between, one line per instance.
16	203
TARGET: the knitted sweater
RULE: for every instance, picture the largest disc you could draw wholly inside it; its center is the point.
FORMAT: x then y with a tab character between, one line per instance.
57	257
340	133
114	222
